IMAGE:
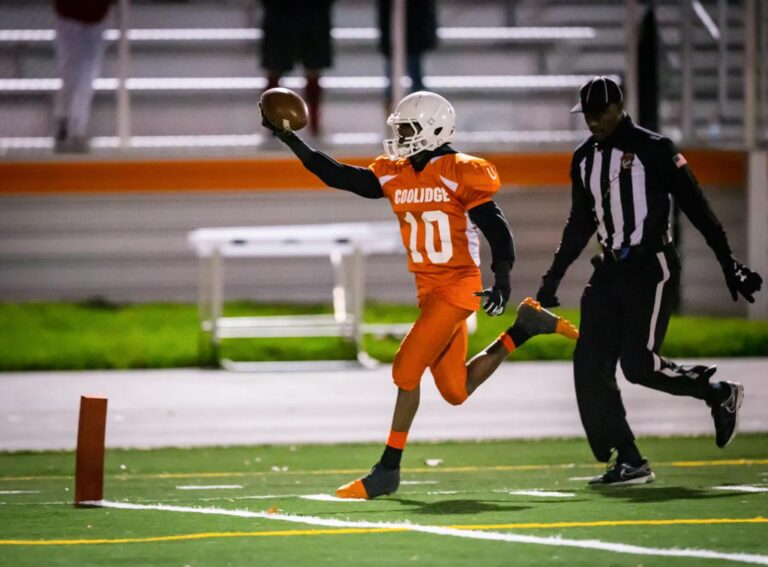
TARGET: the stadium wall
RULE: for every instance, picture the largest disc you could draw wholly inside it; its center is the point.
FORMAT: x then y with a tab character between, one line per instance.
72	230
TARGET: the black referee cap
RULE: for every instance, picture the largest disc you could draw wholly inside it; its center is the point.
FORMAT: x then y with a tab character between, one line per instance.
597	94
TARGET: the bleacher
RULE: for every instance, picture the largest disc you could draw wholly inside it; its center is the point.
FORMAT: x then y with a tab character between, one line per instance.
510	67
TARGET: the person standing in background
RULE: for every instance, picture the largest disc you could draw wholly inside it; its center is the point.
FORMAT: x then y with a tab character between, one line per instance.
420	37
79	53
298	31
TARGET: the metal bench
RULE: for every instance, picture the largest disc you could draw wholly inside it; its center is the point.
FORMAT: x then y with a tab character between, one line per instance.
345	244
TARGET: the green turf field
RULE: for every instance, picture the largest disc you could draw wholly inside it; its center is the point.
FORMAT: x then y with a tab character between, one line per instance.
95	335
490	503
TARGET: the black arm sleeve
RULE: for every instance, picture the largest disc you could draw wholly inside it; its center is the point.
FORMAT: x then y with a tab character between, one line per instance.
578	230
684	187
359	180
493	224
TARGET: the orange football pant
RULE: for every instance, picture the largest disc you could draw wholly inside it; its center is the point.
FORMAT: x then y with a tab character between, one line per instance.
438	341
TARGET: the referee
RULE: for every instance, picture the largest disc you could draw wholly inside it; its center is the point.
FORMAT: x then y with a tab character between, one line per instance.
623	178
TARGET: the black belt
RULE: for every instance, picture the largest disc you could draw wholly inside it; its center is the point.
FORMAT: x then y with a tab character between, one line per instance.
632	252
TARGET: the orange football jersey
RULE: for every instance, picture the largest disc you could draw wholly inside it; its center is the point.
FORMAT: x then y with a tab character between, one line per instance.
442	242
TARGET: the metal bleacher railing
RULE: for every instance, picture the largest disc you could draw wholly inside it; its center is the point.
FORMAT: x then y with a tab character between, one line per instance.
457	34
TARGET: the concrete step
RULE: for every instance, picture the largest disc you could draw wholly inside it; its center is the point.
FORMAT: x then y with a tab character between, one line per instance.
222	60
246	13
607	13
482	103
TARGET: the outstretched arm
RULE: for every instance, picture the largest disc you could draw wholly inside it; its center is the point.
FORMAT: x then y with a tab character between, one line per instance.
683	186
491	221
578	230
359	180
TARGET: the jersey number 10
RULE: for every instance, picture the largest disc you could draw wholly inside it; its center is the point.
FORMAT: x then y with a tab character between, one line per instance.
431	219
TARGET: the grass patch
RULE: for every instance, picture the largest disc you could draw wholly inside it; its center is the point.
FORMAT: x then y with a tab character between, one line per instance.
98	335
477	486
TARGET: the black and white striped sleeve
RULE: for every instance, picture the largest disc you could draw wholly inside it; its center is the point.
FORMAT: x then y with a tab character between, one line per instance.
579	228
682	184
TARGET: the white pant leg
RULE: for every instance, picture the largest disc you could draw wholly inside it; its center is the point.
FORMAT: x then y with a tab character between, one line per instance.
79	52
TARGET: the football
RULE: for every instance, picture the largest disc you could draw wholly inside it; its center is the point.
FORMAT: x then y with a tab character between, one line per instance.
284	108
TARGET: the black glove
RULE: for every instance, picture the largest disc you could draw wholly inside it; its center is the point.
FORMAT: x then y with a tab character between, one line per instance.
496	297
276	130
740	279
546	294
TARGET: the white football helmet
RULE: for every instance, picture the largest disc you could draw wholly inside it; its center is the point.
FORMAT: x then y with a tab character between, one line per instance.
432	122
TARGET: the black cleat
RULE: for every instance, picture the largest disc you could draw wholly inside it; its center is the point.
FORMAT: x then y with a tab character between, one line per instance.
535	320
726	414
379	482
623	474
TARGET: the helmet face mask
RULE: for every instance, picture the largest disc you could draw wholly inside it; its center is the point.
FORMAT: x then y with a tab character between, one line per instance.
421	121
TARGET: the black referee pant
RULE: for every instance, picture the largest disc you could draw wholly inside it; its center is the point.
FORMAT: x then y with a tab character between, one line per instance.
625	312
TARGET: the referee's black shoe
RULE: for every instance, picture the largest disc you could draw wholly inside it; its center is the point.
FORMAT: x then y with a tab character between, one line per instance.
623	474
726	414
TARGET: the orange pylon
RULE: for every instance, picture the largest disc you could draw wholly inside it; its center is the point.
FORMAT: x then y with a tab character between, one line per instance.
89	461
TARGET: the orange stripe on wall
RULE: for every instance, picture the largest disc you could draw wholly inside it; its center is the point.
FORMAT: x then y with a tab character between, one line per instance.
712	167
719	168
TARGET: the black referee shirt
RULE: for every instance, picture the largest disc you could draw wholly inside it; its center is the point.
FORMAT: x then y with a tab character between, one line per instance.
622	189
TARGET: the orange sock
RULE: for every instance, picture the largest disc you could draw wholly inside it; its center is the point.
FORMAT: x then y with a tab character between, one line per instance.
397	439
507	341
393	451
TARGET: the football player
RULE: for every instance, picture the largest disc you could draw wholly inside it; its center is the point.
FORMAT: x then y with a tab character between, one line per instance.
441	197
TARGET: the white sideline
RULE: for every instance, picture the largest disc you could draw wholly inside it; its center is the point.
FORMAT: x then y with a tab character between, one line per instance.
439	530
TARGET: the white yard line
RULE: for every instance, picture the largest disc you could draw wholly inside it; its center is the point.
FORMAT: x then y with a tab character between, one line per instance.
254	497
329	498
445	531
211	487
19	492
66	503
742	488
317	497
537	492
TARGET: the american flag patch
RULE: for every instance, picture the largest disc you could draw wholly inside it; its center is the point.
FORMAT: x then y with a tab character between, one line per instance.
679	160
